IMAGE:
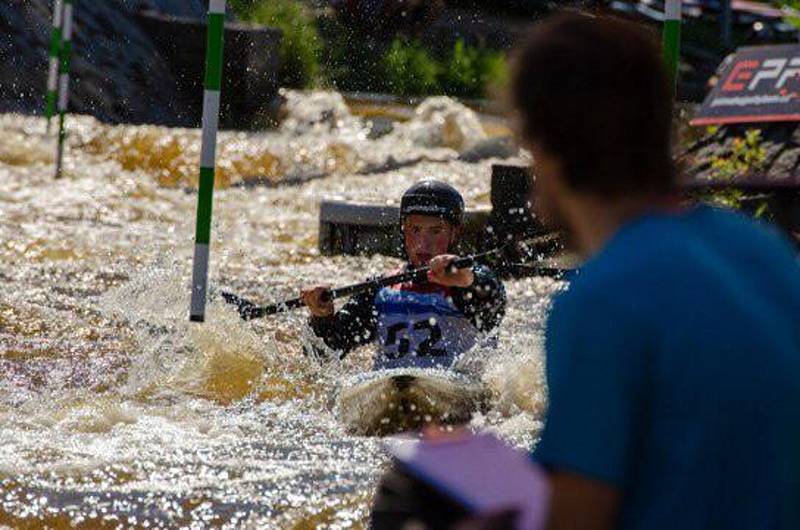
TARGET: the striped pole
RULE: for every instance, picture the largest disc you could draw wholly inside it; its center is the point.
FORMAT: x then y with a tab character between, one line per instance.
672	39
208	154
63	83
52	74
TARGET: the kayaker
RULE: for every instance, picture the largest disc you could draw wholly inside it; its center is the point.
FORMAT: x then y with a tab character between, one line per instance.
417	324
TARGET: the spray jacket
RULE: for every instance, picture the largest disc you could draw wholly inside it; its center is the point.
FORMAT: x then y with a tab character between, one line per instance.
416	325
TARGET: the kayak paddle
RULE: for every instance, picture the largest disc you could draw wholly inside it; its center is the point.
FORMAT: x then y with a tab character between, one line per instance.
249	310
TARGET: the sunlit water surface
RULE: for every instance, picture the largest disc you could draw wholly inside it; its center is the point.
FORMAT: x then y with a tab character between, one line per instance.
116	412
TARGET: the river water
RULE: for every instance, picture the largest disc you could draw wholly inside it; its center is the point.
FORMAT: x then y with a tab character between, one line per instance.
116	412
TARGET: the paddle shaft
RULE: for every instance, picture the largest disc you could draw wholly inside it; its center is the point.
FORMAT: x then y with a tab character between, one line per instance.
415	275
248	310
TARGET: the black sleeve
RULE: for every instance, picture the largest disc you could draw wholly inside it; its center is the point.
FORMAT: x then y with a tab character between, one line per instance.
351	326
484	302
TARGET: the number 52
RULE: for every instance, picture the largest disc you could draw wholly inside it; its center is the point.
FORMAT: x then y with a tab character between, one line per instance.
398	334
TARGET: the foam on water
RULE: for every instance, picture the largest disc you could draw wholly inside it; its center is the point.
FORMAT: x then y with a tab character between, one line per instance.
442	121
318	137
114	409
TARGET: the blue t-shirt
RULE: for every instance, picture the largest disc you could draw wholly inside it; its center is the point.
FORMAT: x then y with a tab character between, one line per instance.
673	367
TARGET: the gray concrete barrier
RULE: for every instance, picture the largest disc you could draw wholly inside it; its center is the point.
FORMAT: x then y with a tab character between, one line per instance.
250	68
359	228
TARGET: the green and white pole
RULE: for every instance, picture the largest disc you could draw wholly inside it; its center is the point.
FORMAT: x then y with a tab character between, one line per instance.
672	39
63	83
208	155
52	73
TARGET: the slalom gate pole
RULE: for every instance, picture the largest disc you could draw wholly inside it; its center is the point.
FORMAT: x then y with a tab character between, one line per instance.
205	196
63	83
52	73
672	39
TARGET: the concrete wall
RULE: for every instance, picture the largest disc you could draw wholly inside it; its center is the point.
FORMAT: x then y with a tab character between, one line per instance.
121	73
352	228
250	71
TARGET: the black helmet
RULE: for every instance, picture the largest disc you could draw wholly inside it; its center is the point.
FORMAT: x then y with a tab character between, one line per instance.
431	197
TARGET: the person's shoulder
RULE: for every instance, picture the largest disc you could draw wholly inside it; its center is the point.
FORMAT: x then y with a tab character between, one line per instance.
613	270
748	229
726	219
755	244
590	294
617	275
667	246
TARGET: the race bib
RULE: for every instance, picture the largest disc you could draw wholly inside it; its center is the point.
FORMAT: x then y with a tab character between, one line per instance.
420	330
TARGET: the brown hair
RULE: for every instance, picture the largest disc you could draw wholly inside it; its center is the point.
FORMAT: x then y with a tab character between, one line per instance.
593	91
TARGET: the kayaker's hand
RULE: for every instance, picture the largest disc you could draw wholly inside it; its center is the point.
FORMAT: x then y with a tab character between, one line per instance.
313	299
440	274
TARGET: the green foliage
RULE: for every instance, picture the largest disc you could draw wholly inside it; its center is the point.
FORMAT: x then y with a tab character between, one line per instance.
301	45
471	71
494	70
410	70
460	74
466	72
792	4
241	8
747	155
326	50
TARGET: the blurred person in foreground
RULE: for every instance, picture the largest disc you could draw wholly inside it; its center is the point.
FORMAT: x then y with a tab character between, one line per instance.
673	358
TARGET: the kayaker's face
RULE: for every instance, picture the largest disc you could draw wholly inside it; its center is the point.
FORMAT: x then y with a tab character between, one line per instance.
427	237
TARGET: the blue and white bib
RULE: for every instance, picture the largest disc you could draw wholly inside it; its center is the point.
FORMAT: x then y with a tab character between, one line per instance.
420	330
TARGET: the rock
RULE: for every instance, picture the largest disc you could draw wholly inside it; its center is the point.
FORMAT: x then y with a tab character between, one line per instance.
380	126
121	70
319	111
780	142
494	147
250	69
779	176
785	166
441	121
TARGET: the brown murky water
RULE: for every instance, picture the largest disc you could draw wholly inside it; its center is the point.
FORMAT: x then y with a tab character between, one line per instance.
115	412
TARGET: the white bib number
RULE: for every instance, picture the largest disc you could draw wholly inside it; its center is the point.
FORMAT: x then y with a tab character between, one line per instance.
428	335
420	330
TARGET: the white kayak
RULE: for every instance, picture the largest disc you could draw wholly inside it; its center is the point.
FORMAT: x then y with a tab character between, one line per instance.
405	399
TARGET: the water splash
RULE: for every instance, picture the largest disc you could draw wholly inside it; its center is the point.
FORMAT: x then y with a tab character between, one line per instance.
443	122
319	136
117	410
